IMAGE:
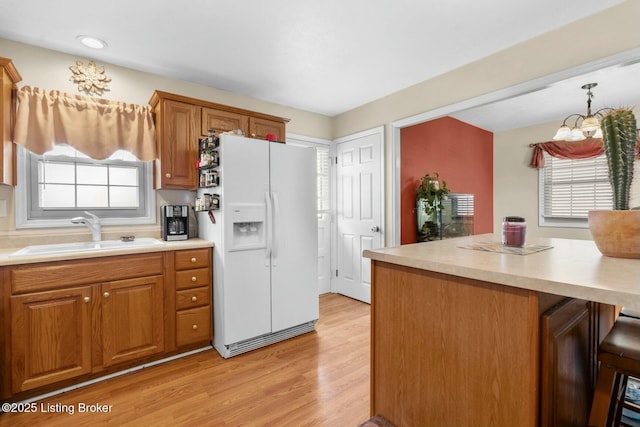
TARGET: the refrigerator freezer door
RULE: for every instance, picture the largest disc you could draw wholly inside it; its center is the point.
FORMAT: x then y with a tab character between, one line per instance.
247	293
294	277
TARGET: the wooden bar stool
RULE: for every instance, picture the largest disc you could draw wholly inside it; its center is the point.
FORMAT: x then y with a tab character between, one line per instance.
619	356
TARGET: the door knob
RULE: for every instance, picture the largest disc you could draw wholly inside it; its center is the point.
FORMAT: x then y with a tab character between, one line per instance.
375	229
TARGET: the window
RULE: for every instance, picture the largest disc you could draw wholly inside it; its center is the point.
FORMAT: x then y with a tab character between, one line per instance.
323	166
571	188
64	183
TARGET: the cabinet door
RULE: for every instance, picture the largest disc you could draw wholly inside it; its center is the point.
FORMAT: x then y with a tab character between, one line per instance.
50	337
565	389
132	319
178	149
259	128
222	121
8	78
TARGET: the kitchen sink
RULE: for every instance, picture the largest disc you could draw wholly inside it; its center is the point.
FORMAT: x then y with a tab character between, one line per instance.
102	245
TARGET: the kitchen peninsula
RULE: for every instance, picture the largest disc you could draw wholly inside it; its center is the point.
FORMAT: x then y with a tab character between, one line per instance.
468	337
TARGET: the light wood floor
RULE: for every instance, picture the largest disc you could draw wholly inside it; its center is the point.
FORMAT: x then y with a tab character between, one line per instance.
318	379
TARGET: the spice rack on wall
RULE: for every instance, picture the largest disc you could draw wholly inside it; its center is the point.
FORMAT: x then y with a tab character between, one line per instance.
208	171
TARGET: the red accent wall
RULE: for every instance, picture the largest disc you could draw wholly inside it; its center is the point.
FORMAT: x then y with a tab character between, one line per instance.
463	156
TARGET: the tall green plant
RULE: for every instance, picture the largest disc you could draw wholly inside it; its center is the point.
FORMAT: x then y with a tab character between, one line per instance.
619	141
432	191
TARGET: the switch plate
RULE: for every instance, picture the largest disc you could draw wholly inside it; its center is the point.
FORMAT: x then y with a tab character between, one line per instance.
3	208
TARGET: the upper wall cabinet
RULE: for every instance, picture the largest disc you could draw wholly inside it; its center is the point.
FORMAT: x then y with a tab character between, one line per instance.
176	144
9	76
181	120
260	128
223	121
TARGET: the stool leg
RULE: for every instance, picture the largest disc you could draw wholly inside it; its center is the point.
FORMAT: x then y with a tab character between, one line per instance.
602	396
620	392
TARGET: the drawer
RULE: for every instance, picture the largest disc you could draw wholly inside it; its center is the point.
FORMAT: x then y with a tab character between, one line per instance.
193	258
193	278
193	325
195	297
60	274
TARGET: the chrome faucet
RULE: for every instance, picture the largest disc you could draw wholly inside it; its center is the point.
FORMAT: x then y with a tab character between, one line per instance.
93	222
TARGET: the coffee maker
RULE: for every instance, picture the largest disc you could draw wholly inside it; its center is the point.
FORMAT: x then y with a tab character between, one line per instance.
174	221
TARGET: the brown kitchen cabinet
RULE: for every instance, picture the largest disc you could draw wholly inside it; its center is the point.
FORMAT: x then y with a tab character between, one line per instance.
507	355
570	335
176	143
64	322
51	336
223	121
132	319
193	297
204	116
259	128
9	76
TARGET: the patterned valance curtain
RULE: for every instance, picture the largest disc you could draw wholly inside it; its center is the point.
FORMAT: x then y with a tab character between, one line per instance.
96	127
587	149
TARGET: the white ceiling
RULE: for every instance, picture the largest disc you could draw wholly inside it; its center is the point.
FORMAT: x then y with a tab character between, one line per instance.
326	56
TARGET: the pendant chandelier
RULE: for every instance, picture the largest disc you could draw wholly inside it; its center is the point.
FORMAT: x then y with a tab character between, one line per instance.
584	126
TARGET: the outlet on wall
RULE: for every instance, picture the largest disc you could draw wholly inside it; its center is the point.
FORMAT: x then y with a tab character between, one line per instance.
3	208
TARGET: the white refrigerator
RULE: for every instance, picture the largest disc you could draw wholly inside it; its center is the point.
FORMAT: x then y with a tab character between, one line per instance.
265	286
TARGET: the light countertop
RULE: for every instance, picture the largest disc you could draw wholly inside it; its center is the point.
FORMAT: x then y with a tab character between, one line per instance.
6	260
572	268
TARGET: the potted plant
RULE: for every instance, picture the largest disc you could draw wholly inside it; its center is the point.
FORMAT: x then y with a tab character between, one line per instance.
429	196
617	232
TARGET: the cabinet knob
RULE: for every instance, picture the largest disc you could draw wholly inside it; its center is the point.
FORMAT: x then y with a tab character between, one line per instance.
194	327
87	299
194	298
168	175
193	259
193	279
106	294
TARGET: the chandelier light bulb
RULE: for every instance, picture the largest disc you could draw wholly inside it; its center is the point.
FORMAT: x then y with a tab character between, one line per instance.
563	133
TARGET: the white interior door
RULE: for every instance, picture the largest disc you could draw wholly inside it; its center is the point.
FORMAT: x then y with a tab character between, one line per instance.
358	210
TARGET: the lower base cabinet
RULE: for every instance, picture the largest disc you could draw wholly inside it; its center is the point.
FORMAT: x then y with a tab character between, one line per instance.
132	319
570	335
72	321
453	351
51	337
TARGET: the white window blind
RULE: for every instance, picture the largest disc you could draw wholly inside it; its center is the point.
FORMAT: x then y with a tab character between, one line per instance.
323	165
571	188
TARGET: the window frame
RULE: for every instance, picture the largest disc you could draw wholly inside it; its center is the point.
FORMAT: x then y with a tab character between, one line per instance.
27	182
543	221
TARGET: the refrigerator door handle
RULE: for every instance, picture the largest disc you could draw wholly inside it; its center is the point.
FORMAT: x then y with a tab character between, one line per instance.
275	228
269	226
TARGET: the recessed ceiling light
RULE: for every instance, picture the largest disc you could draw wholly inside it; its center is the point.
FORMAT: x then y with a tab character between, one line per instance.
92	42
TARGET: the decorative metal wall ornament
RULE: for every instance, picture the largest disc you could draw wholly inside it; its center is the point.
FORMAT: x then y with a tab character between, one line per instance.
91	79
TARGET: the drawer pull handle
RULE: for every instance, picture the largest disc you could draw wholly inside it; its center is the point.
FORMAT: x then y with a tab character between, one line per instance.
193	279
194	327
168	175
87	299
194	298
193	259
106	295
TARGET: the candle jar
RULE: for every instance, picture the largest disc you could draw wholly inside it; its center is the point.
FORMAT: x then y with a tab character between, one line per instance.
514	231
